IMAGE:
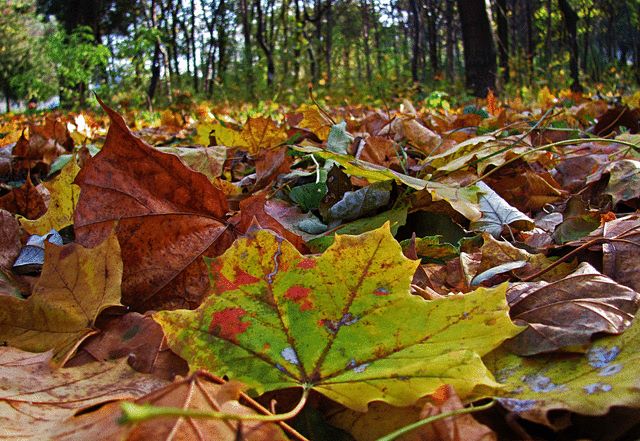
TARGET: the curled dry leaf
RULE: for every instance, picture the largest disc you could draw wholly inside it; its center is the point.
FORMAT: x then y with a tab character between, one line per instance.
35	400
167	217
196	392
570	311
136	337
76	284
343	323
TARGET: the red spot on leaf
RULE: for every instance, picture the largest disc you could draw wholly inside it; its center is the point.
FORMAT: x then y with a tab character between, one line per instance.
241	278
226	324
380	291
307	264
299	294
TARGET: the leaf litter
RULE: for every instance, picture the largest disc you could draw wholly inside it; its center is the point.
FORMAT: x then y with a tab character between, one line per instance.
217	239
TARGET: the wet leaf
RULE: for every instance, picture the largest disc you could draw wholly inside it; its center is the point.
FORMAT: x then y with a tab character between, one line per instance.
570	311
64	197
35	400
75	286
607	375
167	216
343	323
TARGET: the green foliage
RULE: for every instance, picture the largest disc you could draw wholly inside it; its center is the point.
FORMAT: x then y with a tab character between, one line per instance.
25	69
79	58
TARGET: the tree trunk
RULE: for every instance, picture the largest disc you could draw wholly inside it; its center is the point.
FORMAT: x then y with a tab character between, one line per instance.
503	38
364	8
248	50
155	75
449	40
416	52
571	24
479	52
260	36
328	43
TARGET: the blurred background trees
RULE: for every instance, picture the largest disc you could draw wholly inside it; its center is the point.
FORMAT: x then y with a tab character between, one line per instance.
152	51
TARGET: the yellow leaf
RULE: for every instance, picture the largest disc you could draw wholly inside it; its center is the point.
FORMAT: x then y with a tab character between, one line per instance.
64	197
262	134
76	284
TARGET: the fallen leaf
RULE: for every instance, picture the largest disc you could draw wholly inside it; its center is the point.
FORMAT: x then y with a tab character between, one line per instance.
35	400
498	215
64	196
570	311
207	160
196	392
343	323
137	337
28	200
607	375
266	212
456	428
262	134
339	139
624	180
75	286
361	202
9	239
167	217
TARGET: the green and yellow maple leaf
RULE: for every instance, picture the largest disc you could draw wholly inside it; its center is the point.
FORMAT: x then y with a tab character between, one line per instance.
343	323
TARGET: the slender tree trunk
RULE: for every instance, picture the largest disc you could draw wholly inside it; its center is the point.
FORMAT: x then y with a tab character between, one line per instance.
503	39
155	75
248	50
449	23
7	99
328	42
479	52
416	53
364	8
432	32
260	36
571	22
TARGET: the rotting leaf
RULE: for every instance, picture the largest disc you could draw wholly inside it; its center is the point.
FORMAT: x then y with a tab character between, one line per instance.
75	286
570	311
343	323
607	375
167	217
35	400
361	202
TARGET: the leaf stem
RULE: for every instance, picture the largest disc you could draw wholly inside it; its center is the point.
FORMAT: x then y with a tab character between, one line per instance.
135	413
406	429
